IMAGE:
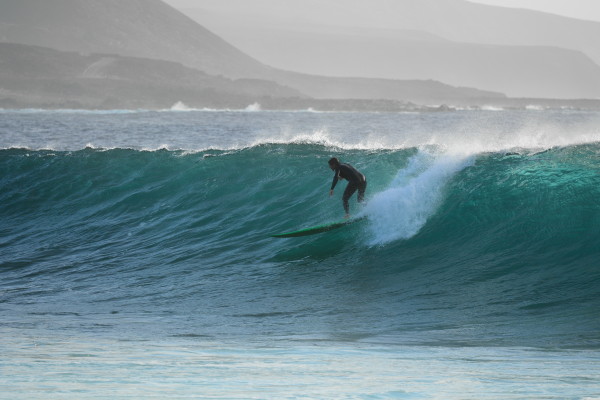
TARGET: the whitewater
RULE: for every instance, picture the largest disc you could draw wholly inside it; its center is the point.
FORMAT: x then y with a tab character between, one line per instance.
136	257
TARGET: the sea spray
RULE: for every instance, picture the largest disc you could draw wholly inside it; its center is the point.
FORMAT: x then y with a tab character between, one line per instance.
401	210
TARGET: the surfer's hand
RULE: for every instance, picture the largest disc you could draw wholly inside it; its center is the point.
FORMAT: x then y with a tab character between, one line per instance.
331	193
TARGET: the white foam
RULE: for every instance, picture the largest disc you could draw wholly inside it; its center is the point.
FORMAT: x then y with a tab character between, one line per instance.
492	108
253	107
534	107
400	211
461	133
180	106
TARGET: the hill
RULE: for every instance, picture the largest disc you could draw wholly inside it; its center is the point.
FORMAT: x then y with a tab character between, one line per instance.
39	77
151	29
134	28
517	52
32	76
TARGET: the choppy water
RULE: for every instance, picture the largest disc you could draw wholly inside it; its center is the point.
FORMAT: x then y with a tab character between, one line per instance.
136	257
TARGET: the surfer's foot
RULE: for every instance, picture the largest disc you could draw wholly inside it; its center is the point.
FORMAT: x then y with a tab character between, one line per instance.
346	216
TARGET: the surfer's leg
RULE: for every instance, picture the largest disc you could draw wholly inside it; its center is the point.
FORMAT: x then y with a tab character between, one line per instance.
361	191
350	189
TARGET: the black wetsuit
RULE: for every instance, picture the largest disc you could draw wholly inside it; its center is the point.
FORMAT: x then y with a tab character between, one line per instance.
355	179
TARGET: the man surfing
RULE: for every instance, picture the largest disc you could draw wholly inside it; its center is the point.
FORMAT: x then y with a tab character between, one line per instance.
356	181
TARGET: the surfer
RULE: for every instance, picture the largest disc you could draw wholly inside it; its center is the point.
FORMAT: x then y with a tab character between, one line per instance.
356	181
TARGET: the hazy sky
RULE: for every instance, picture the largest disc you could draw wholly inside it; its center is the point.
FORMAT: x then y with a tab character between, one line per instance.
582	9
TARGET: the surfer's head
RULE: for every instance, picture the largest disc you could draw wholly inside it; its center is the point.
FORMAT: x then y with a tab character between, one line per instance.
334	163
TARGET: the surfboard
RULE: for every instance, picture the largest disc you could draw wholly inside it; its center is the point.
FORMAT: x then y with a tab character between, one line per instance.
313	230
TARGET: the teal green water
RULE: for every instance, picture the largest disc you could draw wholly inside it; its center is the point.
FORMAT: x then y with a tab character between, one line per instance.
508	240
462	247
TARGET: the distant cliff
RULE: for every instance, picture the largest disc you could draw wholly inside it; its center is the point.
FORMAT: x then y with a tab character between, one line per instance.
32	76
39	77
152	30
461	43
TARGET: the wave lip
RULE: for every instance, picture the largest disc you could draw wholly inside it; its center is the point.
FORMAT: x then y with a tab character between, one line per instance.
401	210
182	127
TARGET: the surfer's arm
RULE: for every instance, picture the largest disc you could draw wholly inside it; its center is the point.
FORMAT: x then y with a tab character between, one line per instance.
335	181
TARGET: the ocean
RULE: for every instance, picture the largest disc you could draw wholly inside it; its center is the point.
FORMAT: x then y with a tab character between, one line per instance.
136	257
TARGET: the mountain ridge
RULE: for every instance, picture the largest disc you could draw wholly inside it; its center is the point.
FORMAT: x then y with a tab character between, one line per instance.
152	30
40	77
370	43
